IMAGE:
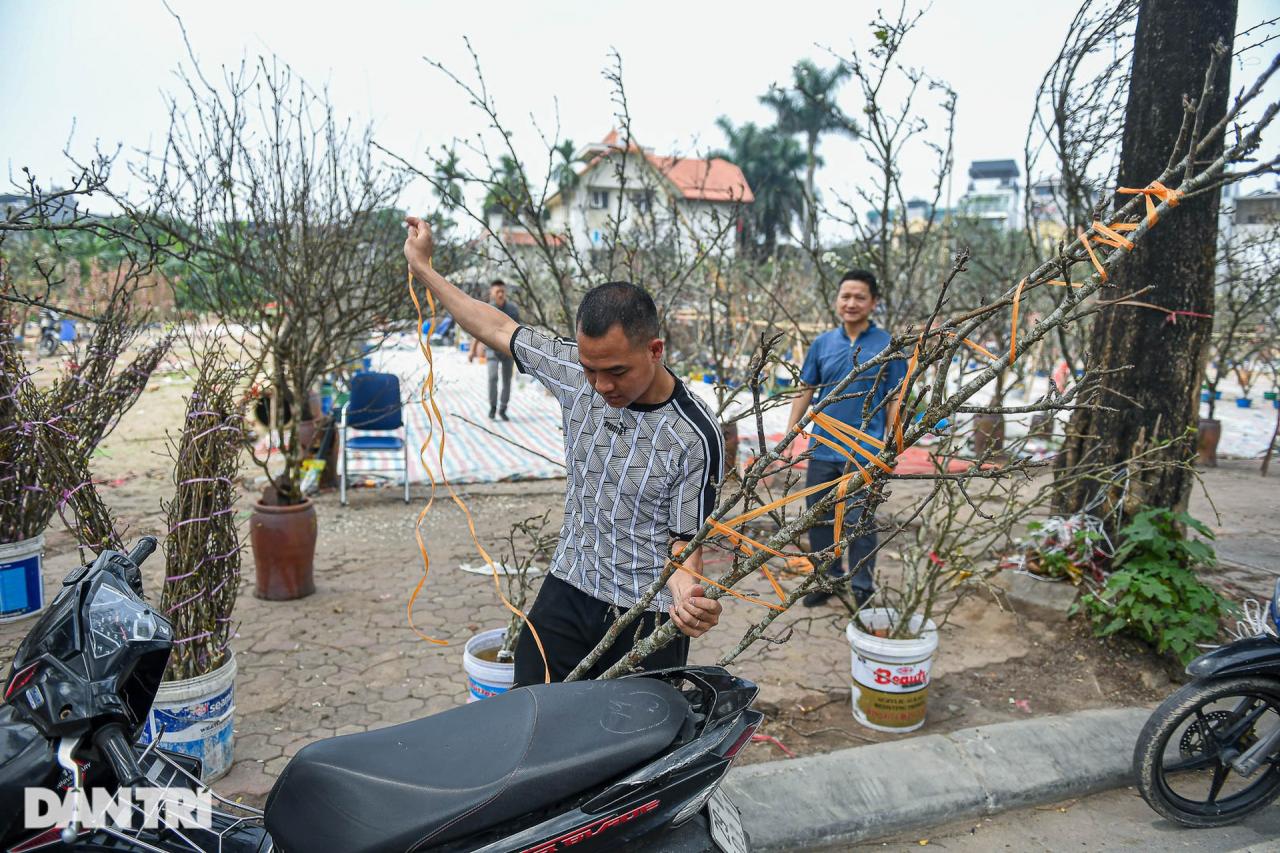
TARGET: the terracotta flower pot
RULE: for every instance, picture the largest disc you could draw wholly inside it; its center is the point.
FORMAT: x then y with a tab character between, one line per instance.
1208	435
284	550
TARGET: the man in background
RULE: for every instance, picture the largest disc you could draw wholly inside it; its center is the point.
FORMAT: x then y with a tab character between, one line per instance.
498	362
833	355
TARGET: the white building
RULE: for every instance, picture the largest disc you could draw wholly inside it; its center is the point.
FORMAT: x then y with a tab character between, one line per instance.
994	193
689	200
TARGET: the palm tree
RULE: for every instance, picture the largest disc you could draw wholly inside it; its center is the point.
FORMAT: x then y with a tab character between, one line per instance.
448	179
565	175
770	160
808	107
507	191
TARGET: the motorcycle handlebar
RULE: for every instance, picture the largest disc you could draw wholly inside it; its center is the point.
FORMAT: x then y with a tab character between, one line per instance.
115	749
146	545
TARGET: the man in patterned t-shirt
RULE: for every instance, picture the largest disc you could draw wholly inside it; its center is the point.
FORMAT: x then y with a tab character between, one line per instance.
643	458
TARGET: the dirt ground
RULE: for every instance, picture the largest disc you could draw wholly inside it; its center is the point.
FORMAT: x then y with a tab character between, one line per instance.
346	659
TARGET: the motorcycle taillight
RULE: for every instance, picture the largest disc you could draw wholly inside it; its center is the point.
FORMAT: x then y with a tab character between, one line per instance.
743	740
20	680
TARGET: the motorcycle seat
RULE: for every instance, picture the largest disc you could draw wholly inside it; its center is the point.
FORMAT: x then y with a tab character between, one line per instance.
419	784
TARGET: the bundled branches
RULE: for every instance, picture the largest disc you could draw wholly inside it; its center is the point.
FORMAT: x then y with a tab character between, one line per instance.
202	546
74	412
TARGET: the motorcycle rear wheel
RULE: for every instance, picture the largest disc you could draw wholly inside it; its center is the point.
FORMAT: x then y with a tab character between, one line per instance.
46	347
1179	757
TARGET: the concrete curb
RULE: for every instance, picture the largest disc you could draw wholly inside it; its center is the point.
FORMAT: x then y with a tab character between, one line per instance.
872	791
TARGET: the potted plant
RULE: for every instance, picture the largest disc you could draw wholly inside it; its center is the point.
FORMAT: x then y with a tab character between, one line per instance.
894	637
194	707
295	248
489	657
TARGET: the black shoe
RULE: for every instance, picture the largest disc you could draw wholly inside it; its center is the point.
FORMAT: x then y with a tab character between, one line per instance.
862	596
816	598
492	414
502	415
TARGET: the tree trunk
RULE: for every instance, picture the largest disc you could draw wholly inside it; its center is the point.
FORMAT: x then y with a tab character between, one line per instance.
1155	397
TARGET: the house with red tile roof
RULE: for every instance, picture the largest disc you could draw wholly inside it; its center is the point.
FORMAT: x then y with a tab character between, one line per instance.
629	187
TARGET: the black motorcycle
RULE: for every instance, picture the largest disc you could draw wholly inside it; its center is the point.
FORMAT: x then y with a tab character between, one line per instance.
632	763
1210	754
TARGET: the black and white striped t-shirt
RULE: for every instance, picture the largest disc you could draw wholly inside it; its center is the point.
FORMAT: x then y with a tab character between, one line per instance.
637	477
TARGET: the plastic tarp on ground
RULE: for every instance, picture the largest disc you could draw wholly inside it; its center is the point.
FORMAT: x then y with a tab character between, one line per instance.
473	455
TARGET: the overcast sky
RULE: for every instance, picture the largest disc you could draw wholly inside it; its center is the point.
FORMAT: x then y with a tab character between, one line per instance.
104	65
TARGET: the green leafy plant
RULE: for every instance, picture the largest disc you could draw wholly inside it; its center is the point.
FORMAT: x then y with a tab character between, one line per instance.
1154	593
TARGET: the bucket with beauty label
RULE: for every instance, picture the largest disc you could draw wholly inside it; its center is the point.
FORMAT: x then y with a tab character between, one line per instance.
890	677
21	578
197	716
485	676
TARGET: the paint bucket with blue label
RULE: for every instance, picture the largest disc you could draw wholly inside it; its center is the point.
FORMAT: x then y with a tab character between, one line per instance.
21	578
197	716
485	676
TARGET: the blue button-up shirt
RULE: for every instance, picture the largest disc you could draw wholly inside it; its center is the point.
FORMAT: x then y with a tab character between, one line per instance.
829	360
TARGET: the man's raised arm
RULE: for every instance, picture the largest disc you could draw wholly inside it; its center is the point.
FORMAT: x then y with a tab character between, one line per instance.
486	323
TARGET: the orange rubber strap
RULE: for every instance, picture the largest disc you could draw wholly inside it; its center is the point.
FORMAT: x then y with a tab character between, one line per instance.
746	544
841	491
434	410
1013	332
836	428
866	475
786	499
1109	237
1155	189
902	393
975	346
832	425
682	567
1084	241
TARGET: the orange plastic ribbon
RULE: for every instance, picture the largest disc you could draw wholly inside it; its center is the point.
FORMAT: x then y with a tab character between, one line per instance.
832	425
1109	237
1155	189
902	393
1084	241
682	567
975	346
434	417
1013	332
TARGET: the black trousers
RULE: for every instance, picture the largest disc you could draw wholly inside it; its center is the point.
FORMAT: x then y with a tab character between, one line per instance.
823	534
571	623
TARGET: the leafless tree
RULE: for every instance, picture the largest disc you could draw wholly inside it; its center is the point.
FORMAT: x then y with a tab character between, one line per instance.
287	225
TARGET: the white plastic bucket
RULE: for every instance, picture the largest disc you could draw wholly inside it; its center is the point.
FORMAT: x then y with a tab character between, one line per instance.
485	678
21	578
198	717
891	677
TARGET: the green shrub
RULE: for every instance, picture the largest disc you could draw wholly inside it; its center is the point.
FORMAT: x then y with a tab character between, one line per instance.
1154	592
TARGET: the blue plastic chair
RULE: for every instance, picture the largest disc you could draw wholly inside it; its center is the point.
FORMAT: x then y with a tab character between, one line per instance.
374	406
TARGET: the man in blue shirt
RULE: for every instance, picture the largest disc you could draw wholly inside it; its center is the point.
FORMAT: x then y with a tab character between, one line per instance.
872	394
